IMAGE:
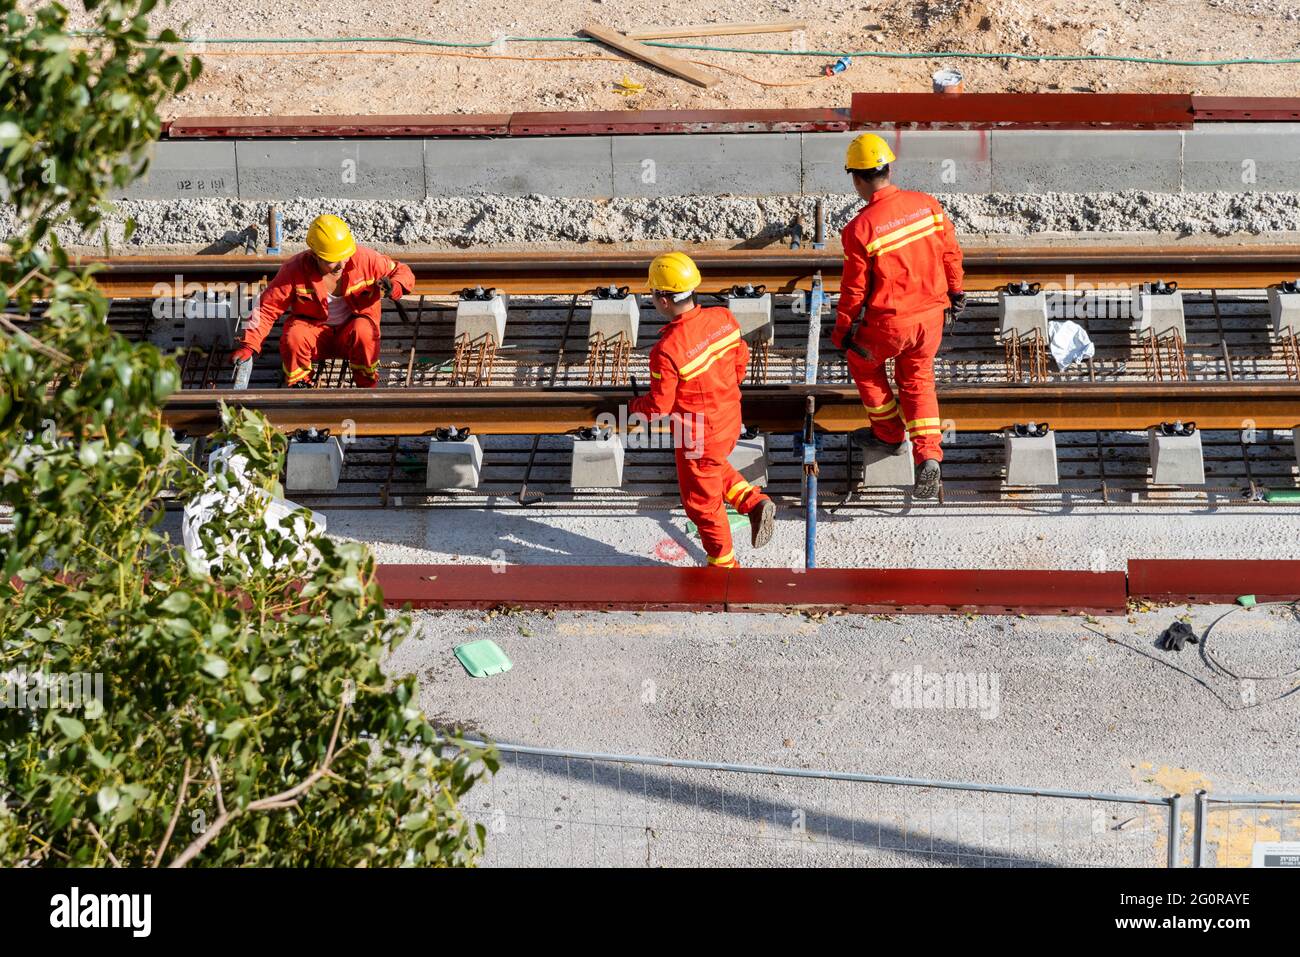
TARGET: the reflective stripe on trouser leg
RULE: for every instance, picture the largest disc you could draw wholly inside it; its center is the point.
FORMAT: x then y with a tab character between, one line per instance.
300	349
740	494
877	396
702	485
914	372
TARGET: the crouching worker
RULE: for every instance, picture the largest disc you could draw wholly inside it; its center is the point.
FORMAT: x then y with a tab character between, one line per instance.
333	293
696	369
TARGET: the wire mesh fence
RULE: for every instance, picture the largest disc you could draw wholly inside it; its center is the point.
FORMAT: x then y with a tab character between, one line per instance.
1246	831
571	809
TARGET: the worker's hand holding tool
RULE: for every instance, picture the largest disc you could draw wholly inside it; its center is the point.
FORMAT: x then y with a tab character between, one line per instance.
386	287
958	301
243	360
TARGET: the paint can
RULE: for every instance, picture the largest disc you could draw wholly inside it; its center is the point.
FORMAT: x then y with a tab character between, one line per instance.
947	80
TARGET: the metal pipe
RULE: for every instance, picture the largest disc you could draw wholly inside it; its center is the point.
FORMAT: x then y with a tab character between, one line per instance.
821	775
1175	839
1198	838
810	485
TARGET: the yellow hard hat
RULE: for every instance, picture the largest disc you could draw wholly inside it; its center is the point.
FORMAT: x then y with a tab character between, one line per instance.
674	272
868	151
330	239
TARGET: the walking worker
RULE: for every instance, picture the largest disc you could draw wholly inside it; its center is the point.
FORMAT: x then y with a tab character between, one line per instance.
333	293
696	369
902	270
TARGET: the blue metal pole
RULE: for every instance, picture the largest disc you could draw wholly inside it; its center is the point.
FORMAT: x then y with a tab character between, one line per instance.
811	359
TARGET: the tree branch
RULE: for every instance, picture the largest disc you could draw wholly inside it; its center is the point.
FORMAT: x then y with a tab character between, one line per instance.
275	802
176	813
95	831
31	341
216	782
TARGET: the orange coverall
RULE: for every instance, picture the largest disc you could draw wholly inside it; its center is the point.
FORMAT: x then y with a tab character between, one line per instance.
696	369
298	290
901	260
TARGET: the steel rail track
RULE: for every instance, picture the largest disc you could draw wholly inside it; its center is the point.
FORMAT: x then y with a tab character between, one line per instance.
781	270
1101	406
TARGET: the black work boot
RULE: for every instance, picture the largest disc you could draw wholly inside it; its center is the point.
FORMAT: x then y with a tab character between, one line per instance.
927	480
867	439
762	523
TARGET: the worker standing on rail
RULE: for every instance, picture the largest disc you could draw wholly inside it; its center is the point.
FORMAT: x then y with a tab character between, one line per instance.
902	270
696	369
333	294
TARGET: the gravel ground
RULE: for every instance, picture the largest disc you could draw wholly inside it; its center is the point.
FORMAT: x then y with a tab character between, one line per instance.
541	220
293	79
1066	704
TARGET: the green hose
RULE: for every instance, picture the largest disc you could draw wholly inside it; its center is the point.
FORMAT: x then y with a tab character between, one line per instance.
883	54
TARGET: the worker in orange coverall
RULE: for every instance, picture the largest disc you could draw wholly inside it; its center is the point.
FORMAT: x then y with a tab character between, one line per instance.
696	369
333	293
902	270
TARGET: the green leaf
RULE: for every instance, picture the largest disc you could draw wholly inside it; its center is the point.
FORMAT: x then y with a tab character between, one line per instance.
217	667
176	603
107	798
72	728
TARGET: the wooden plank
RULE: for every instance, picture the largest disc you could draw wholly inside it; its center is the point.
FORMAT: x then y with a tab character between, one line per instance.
712	30
669	64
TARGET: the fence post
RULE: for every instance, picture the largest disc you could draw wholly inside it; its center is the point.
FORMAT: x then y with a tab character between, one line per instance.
1198	839
1175	830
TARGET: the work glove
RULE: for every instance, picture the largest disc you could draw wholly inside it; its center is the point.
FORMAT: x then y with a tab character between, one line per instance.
1176	636
243	357
386	288
958	303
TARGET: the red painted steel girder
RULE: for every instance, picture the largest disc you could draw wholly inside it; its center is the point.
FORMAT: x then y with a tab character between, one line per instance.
240	127
1246	109
565	587
1213	580
619	122
666	588
894	110
1066	111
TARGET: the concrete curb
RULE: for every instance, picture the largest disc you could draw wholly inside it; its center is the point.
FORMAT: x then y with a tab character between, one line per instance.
1231	157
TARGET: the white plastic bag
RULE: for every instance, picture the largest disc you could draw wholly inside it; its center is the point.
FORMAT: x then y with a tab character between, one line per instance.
283	516
1069	343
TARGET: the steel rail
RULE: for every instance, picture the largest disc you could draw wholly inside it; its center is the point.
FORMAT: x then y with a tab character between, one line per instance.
527	411
782	270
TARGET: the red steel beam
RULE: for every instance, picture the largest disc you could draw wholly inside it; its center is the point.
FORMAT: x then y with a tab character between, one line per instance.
563	587
1063	111
239	127
622	122
1245	109
666	588
1213	580
893	110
